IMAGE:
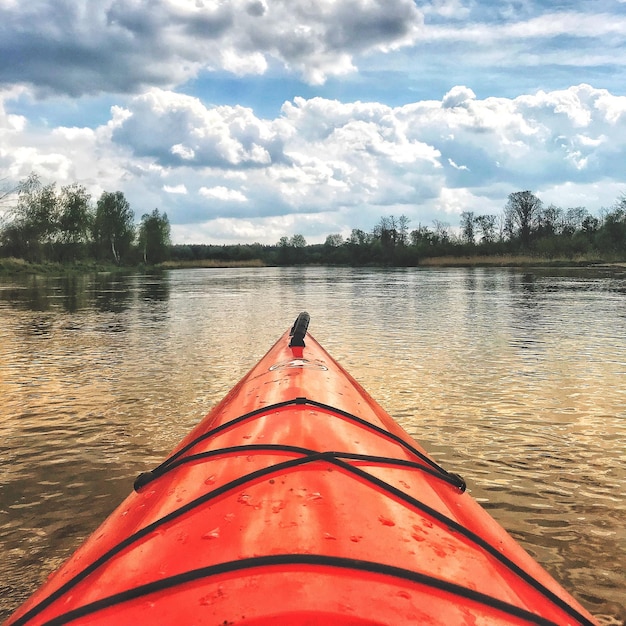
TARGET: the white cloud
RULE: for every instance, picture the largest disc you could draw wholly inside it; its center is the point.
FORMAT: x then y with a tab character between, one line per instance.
192	134
222	193
177	189
458	167
577	24
325	165
124	45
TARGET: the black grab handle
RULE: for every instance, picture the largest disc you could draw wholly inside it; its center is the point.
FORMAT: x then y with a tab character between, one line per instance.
298	330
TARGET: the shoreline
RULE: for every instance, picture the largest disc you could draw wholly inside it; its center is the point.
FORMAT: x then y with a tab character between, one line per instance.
13	266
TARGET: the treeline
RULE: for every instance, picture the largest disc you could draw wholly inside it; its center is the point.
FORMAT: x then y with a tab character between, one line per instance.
525	227
46	224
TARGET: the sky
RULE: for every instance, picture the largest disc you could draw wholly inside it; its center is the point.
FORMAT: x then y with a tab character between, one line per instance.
249	120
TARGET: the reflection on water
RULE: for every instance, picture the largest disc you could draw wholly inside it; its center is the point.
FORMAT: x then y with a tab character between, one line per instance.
514	379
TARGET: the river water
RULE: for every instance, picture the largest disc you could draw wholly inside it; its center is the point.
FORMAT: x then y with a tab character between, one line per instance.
515	379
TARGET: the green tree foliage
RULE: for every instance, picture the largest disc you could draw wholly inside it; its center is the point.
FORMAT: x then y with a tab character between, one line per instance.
154	237
612	235
75	221
37	223
291	250
297	241
113	228
333	241
34	221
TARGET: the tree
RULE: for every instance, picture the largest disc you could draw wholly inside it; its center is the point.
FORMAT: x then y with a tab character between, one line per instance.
154	237
550	221
387	236
612	234
7	191
35	220
75	220
442	231
467	226
590	226
487	228
333	241
403	230
421	236
113	228
298	241
358	237
574	219
522	213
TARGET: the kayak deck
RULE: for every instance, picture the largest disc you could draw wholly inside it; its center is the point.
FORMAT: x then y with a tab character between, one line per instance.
298	500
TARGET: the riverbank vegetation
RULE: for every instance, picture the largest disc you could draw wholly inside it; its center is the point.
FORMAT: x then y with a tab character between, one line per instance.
48	228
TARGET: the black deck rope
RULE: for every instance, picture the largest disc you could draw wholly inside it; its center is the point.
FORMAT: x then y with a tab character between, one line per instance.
468	534
143	532
146	477
329	457
302	560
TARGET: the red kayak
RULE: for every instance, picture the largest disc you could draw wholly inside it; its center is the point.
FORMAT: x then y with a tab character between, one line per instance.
298	500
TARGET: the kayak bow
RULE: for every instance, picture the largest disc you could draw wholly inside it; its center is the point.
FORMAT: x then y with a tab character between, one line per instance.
298	500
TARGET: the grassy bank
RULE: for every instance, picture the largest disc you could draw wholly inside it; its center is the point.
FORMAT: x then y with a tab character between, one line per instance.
11	265
511	261
18	266
175	265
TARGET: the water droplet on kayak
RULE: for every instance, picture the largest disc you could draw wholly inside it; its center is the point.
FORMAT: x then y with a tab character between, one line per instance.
278	506
213	534
404	594
356	538
329	536
405	484
244	498
210	480
385	521
419	534
212	597
314	496
229	517
291	524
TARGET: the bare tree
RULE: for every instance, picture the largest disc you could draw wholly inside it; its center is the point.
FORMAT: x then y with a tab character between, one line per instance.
467	226
487	228
403	230
522	212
